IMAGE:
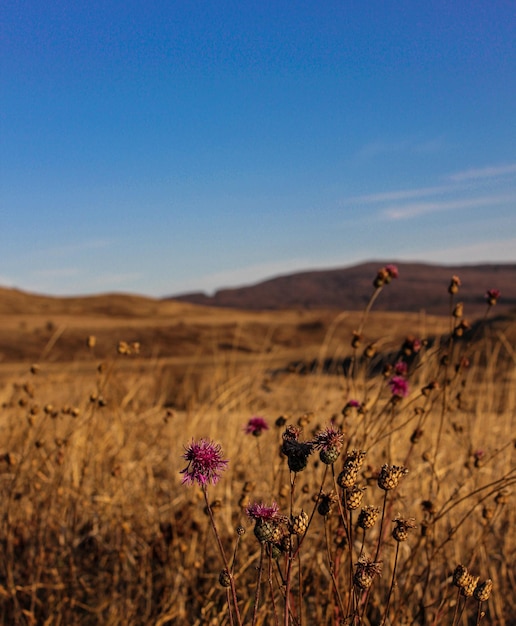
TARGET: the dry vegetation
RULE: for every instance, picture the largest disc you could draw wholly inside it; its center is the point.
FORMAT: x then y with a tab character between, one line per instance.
96	527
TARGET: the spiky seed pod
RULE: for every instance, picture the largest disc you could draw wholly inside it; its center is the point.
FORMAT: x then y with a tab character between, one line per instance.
350	469
468	589
362	578
266	531
368	516
299	524
224	578
483	590
460	576
365	572
354	497
390	475
400	531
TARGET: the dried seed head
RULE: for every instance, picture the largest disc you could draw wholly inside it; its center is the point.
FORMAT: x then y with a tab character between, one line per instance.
483	590
368	516
356	340
299	524
469	587
224	578
460	576
400	531
390	475
455	283
350	469
365	572
458	310
297	452
353	497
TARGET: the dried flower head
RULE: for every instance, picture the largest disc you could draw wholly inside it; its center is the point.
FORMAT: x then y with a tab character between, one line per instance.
385	275
329	443
352	497
469	587
483	590
297	452
368	516
399	386
454	285
390	475
256	426
492	296
350	469
205	463
400	531
460	575
365	572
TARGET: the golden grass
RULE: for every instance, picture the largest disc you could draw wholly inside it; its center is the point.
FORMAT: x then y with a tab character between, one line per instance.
96	527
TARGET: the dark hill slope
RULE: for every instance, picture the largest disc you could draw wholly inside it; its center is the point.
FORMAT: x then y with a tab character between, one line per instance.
419	287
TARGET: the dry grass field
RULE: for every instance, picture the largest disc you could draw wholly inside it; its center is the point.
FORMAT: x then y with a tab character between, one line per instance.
101	399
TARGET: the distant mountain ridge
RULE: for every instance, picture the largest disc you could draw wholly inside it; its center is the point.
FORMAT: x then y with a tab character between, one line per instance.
420	286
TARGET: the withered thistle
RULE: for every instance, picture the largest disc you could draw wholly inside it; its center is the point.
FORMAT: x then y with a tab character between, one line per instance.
297	452
400	531
350	469
390	475
483	590
368	516
353	497
365	572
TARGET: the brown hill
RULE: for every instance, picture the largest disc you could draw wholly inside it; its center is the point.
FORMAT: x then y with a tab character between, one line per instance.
419	287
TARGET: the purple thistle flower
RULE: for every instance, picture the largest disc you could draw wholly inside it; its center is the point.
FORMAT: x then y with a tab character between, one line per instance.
255	426
392	270
259	511
399	386
353	404
401	368
328	438
492	296
205	463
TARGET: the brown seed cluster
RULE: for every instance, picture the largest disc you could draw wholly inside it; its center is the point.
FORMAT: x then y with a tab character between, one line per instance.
390	475
348	476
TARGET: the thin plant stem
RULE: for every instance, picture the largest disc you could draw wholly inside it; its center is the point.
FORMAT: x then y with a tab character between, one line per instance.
223	555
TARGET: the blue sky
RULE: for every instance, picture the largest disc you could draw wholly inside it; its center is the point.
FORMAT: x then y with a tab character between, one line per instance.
159	147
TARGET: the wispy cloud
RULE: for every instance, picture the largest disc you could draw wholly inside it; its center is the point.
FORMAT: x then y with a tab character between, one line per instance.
75	247
421	208
402	194
492	171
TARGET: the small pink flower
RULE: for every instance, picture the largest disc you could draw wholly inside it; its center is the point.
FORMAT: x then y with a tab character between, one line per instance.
256	426
492	296
205	463
392	270
399	386
259	511
353	404
401	368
